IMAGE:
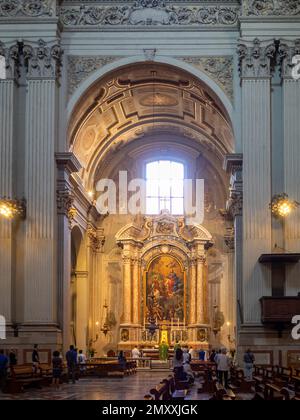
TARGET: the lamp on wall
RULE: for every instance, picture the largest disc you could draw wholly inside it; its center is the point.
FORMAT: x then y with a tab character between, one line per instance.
281	206
11	209
105	327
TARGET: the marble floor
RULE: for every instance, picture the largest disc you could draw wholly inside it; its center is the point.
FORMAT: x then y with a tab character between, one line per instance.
133	387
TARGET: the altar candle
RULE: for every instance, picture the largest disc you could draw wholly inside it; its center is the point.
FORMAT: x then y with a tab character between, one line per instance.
178	322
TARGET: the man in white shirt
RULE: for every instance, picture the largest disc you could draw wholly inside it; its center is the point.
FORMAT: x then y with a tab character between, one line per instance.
223	366
135	353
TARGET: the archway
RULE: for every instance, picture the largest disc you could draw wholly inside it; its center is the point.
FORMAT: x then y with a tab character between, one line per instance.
79	291
132	115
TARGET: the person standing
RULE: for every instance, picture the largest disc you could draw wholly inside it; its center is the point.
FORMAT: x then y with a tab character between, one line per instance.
81	360
202	355
35	359
57	368
71	357
249	360
12	358
135	353
178	364
3	369
223	367
212	356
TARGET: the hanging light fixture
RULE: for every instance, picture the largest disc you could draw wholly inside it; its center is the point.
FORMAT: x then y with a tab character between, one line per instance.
281	206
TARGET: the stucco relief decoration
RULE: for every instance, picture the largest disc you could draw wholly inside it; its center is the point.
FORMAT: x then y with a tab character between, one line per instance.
27	8
148	12
272	7
80	68
219	69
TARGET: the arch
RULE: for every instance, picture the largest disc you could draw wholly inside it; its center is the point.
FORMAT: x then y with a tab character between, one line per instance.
159	59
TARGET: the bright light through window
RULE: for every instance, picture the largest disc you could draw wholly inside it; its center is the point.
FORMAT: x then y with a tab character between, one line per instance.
165	181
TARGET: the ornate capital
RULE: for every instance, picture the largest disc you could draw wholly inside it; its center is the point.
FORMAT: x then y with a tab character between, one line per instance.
287	50
12	60
96	238
257	58
65	201
43	61
229	238
233	164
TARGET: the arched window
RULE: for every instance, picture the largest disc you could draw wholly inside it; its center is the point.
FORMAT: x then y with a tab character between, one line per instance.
165	183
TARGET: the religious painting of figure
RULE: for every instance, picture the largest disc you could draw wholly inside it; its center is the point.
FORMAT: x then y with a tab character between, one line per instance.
165	289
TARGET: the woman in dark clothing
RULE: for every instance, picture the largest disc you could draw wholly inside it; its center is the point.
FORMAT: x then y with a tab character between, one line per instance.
57	366
178	365
122	360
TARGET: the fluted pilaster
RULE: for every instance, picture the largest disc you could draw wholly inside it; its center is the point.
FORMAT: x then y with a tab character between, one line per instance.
291	120
42	63
256	67
8	92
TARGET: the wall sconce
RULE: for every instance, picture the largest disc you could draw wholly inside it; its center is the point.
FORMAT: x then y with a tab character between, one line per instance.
230	340
11	209
281	206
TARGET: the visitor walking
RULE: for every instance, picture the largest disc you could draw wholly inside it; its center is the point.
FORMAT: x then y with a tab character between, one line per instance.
223	367
249	360
3	370
71	358
57	369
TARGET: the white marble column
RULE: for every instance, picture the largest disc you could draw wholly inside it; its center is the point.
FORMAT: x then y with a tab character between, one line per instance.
42	62
291	121
8	92
66	165
256	60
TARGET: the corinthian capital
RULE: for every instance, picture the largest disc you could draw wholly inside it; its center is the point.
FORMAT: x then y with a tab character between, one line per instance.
43	60
256	58
287	51
12	60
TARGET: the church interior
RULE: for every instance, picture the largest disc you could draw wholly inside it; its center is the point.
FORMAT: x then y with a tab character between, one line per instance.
149	200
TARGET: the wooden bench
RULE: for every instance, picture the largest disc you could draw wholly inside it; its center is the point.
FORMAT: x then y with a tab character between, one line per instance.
22	377
161	392
223	394
176	394
239	383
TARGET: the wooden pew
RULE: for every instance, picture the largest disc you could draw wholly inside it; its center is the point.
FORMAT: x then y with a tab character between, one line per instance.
161	392
239	383
223	394
176	394
22	377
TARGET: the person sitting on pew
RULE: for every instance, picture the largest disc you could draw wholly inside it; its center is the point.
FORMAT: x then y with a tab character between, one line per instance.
223	367
3	369
249	360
